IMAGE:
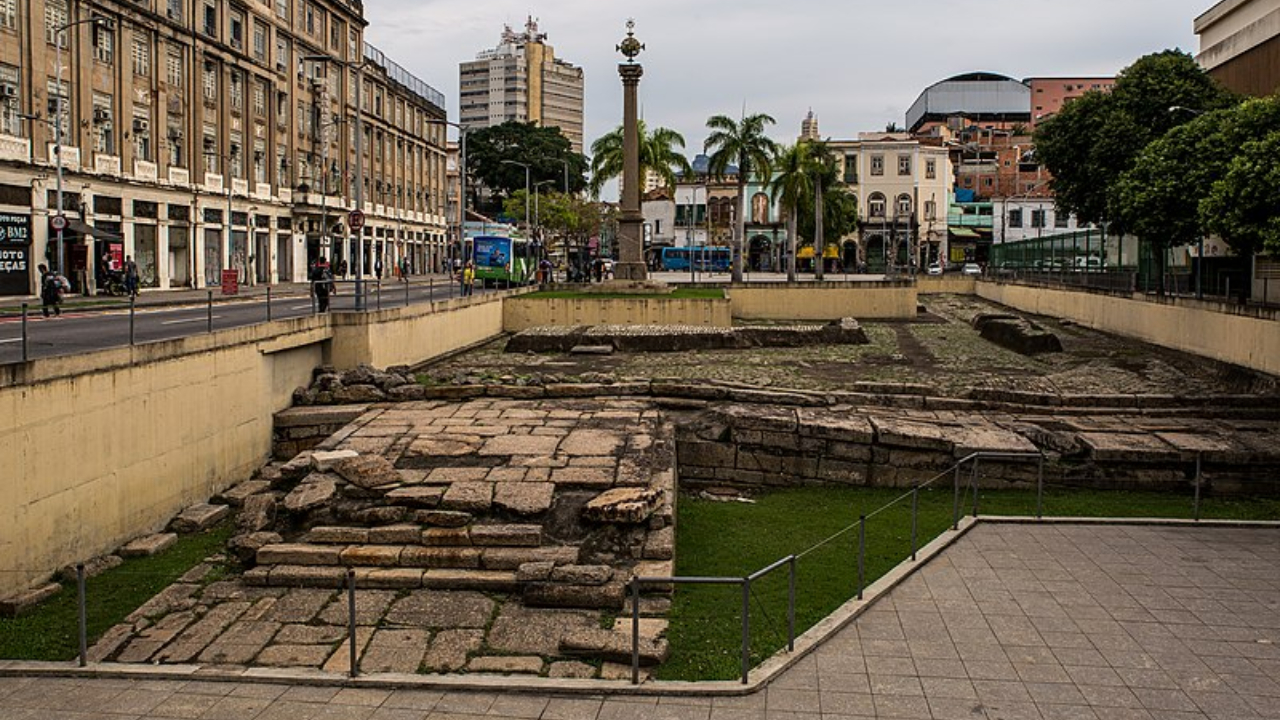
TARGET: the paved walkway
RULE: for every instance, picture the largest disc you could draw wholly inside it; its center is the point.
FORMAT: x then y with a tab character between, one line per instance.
1014	622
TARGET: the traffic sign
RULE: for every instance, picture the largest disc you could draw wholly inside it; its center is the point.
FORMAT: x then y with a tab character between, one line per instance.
355	219
58	222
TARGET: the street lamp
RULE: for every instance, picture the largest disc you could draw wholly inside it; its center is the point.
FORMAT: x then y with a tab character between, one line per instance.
462	178
526	189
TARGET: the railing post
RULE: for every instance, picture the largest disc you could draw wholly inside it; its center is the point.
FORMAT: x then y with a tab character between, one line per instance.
955	509
378	289
862	552
431	290
974	483
791	607
209	313
746	628
26	353
406	292
1040	489
132	309
1196	509
80	610
351	620
915	513
268	303
635	631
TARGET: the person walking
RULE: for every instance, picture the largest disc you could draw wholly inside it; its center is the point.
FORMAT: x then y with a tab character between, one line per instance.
469	279
404	269
52	285
130	276
321	283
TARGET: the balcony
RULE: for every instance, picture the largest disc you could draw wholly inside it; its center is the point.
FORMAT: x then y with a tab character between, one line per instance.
145	171
70	156
106	164
15	148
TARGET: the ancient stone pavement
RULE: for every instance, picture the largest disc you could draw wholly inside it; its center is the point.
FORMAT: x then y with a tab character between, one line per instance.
1013	622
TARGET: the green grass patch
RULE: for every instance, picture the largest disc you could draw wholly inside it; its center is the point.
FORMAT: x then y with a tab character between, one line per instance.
677	294
50	632
736	539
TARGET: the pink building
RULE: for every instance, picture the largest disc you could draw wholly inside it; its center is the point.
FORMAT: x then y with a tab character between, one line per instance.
1049	94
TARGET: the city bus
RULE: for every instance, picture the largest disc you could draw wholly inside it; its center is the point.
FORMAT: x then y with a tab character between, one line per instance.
502	260
712	259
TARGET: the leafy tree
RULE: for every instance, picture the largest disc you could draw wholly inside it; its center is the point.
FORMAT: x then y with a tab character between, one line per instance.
744	143
544	149
1241	207
1096	138
792	181
839	211
1160	198
659	152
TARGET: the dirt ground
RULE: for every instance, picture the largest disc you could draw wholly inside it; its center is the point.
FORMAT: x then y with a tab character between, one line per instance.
941	349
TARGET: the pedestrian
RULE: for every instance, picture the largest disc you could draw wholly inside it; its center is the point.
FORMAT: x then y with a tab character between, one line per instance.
377	267
469	279
130	276
321	283
404	269
52	285
342	267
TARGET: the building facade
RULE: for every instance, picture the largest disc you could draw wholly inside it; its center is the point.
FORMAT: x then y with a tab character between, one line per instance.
200	136
1049	94
1240	45
522	80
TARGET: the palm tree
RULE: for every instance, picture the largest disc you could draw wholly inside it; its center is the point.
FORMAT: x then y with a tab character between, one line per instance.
658	153
745	143
791	184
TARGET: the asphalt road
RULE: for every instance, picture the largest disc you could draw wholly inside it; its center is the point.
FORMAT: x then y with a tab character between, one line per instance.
78	331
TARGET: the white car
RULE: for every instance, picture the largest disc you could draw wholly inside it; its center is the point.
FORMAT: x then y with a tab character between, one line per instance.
935	268
971	269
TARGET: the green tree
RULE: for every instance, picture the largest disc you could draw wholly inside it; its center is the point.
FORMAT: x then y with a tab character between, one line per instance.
742	142
660	152
545	149
792	182
839	212
1160	198
1241	208
1096	138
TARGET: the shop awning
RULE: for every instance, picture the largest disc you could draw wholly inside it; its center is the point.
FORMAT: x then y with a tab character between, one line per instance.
79	227
963	232
805	253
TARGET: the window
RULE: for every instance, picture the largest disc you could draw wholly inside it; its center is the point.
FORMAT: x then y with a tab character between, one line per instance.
282	166
173	137
210	19
310	17
55	17
282	110
210	82
877	165
237	91
1037	218
9	13
904	165
259	99
282	9
103	130
104	42
335	34
1015	218
875	205
10	122
282	54
902	206
304	120
353	45
173	67
260	41
174	10
141	55
1061	219
931	169
210	149
260	160
141	130
236	30
59	108
236	154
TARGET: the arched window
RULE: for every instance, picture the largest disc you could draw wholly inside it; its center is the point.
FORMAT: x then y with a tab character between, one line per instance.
903	205
875	205
760	209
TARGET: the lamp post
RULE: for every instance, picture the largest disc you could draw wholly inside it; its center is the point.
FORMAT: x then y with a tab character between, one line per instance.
526	189
462	177
57	125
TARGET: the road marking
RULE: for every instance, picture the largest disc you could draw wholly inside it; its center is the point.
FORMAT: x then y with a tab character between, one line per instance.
10	340
299	307
190	320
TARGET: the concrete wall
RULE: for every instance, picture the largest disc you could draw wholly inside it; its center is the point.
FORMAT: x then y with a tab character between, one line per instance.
523	313
417	333
831	301
946	284
1249	337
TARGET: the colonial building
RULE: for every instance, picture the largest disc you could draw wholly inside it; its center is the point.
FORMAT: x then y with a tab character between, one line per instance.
522	80
201	136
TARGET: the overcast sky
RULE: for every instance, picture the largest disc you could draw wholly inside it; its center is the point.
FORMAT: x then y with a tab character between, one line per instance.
857	64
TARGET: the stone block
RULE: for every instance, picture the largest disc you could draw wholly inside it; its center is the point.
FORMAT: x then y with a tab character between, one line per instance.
843	473
93	567
371	555
536	445
571	669
441	609
506	664
440	557
26	601
897	432
582	574
450	648
626	506
506	535
590	477
481	580
523	498
443	518
257	513
318	415
764	418
338	535
235	496
418	496
324	460
446	536
245	547
660	544
149	545
837	426
317	490
367	471
560	595
468	497
382	515
389	578
314	576
495	558
841	450
400	534
708	454
613	646
1128	447
298	554
534	571
199	517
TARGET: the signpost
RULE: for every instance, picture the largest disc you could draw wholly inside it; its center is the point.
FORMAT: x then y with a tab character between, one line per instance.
355	219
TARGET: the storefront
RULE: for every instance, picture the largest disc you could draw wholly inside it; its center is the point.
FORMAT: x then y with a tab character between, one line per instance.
15	254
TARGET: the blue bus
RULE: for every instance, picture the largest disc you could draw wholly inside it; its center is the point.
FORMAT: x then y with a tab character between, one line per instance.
706	259
501	259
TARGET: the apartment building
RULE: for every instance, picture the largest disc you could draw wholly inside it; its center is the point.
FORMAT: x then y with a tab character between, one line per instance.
522	80
1240	45
202	136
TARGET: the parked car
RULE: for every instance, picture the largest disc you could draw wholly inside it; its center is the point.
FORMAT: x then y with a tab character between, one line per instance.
971	269
935	268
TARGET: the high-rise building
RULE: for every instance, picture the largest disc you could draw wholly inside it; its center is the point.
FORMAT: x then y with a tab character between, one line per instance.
522	80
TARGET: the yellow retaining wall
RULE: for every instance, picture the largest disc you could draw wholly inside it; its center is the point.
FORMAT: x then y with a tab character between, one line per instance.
829	301
417	333
523	313
1214	330
949	284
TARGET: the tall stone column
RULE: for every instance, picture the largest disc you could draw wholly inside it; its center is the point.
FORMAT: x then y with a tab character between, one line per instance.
630	264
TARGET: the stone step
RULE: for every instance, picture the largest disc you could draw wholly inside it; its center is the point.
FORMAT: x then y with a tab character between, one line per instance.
413	556
504	535
370	578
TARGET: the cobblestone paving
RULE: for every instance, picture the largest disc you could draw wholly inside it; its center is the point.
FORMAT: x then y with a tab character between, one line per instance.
949	355
1014	622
